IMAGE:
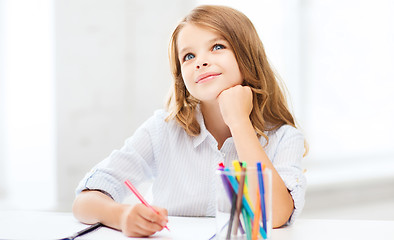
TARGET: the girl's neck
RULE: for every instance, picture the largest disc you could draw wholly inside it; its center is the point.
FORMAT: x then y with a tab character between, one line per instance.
214	122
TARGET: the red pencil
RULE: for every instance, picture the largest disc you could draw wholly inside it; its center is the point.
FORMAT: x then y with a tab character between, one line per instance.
139	196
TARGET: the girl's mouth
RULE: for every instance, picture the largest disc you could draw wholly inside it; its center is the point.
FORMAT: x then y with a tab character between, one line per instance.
206	77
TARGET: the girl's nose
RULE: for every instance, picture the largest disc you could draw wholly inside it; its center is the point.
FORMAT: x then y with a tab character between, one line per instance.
201	65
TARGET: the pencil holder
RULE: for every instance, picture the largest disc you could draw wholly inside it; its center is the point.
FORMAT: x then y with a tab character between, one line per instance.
243	202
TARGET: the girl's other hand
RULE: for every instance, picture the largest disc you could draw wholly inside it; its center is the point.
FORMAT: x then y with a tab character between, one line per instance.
140	221
236	104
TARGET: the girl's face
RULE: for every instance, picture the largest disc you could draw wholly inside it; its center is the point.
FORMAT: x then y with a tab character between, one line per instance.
208	64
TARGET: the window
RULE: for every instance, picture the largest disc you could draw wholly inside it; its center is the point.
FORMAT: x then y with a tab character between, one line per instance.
348	76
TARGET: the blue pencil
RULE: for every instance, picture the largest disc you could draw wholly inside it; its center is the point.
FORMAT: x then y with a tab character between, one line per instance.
262	197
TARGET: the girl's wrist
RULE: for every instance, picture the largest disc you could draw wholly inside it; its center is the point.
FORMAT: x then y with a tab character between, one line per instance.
240	124
121	212
113	216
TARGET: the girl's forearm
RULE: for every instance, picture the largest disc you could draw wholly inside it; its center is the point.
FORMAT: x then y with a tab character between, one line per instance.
250	150
92	206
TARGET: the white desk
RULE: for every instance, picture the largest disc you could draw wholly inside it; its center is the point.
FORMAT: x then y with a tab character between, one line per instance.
47	225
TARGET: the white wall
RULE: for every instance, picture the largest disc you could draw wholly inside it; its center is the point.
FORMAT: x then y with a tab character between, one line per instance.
27	104
2	140
111	74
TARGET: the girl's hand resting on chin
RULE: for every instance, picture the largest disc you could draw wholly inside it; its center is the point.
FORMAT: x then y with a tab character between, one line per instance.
236	104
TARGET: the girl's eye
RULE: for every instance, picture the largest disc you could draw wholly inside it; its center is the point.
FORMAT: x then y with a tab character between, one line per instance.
188	57
217	47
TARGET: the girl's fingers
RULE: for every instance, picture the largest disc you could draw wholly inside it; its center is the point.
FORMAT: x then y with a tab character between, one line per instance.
151	216
236	104
145	227
163	212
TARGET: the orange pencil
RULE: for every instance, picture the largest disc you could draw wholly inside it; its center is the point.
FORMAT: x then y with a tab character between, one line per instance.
256	220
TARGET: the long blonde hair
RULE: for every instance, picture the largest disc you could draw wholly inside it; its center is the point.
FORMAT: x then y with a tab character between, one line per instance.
270	110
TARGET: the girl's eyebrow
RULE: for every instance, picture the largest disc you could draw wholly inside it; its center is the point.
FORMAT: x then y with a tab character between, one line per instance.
216	40
183	50
212	41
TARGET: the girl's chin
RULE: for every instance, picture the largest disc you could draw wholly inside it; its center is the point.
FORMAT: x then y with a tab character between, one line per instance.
208	96
209	101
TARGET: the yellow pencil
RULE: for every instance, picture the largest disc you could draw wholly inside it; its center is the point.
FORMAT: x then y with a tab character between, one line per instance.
237	168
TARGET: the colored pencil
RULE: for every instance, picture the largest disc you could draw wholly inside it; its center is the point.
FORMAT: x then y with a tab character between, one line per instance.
232	213
262	195
256	220
239	199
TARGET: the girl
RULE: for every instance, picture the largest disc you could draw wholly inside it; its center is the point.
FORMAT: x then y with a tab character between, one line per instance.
226	104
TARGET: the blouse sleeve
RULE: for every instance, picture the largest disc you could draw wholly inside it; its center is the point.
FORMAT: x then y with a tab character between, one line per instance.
134	161
287	159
